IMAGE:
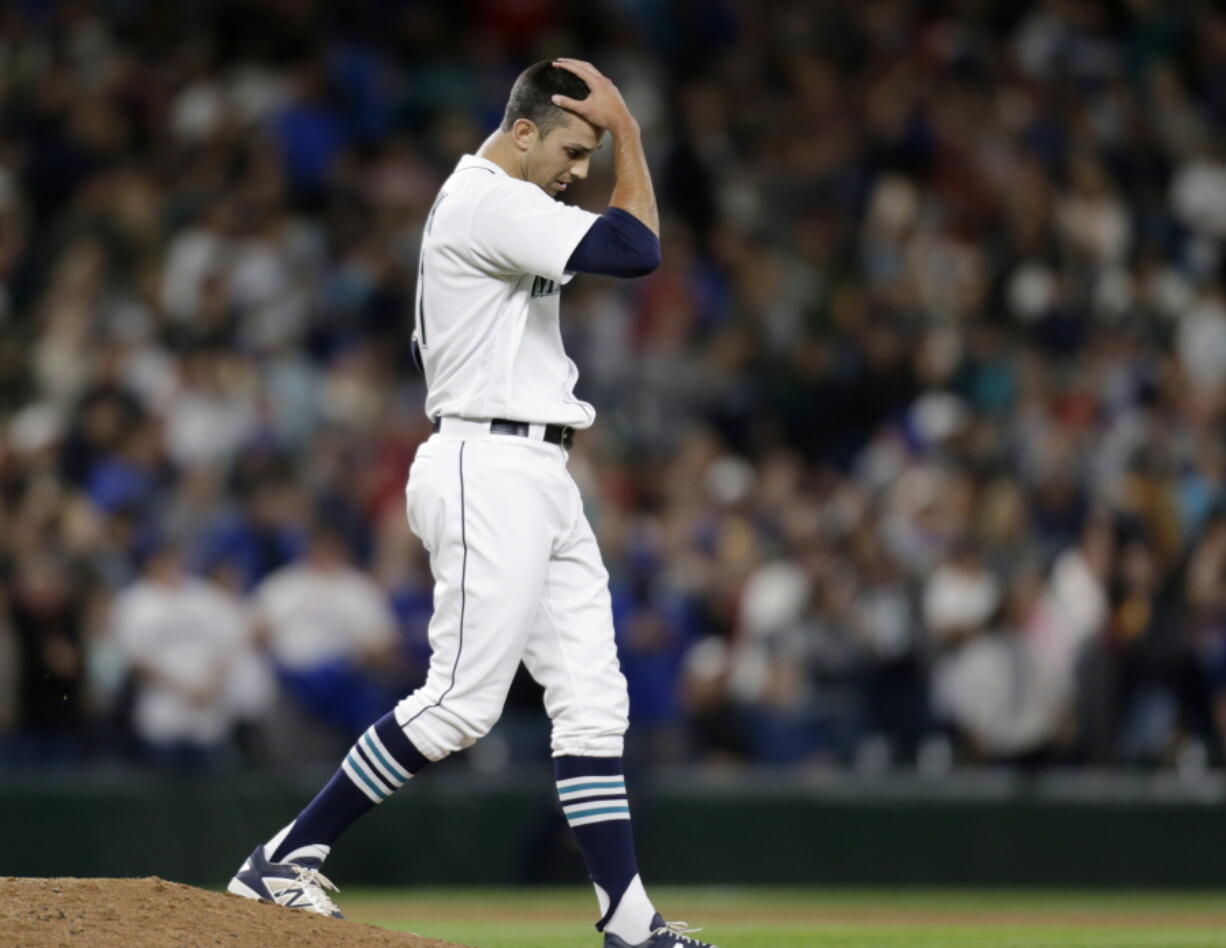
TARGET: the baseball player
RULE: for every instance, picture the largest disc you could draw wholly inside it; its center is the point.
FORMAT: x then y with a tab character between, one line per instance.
518	576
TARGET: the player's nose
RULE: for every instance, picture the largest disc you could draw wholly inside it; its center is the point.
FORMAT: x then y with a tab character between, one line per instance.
579	169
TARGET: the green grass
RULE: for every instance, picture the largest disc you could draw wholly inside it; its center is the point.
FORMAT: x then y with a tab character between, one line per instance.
814	918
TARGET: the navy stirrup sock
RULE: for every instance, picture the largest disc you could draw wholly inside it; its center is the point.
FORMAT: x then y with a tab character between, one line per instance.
380	762
592	791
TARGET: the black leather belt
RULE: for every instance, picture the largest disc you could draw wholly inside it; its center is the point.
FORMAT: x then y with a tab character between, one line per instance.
563	435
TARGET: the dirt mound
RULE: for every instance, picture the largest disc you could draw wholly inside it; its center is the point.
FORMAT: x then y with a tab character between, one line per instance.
153	912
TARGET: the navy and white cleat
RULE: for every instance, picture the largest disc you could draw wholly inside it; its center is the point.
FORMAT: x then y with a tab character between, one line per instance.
296	885
663	935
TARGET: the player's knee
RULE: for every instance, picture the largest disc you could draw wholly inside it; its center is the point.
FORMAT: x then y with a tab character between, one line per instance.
595	726
460	734
439	736
594	732
443	727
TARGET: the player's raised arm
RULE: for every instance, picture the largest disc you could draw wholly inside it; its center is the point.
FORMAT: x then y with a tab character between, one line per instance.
625	241
605	108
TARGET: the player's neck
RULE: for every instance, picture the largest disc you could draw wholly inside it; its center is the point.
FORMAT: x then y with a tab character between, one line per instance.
501	150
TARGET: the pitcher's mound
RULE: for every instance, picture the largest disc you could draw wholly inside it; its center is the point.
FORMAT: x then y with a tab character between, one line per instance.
152	912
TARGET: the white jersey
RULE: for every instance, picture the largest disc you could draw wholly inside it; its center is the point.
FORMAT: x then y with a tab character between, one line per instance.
194	638
493	262
316	616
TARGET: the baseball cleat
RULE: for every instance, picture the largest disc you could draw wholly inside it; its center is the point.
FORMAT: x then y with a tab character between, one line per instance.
663	935
291	884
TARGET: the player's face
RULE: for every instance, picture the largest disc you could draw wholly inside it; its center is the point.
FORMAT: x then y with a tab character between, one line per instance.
562	155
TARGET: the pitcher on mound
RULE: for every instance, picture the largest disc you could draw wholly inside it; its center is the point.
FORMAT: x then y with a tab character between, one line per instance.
517	572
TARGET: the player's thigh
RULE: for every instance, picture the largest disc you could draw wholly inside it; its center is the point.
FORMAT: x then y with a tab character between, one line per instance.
484	518
432	493
571	651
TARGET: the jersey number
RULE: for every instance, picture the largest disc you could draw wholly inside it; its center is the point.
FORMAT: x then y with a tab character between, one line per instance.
421	274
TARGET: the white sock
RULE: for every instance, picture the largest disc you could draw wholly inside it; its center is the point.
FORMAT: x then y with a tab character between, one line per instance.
316	851
631	920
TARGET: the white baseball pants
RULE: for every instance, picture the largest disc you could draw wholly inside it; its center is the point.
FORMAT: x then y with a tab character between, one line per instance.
517	576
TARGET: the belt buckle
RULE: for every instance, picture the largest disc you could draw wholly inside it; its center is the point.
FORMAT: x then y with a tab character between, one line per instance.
568	437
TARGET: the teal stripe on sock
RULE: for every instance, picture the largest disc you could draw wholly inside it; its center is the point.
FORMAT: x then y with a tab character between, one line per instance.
601	812
356	763
618	784
576	808
391	767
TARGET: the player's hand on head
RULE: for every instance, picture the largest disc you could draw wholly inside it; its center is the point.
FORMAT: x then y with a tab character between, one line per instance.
604	107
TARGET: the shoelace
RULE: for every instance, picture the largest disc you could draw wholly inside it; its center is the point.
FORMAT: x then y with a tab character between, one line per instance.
678	930
313	883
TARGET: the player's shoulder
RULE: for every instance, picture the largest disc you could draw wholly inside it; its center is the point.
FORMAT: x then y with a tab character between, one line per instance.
475	175
474	183
481	198
485	181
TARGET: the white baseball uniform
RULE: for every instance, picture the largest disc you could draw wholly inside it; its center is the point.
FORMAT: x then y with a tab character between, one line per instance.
518	575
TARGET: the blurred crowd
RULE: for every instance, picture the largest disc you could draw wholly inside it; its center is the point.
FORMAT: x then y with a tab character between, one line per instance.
912	453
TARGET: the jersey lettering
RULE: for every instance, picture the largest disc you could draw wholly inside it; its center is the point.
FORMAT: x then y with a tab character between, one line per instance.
542	287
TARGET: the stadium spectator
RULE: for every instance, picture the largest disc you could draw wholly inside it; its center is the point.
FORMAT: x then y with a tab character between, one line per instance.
189	650
328	627
47	618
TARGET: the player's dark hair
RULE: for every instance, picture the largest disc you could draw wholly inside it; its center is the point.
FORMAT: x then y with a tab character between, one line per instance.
532	96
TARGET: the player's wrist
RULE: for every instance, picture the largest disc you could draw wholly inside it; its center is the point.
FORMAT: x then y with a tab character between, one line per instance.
625	127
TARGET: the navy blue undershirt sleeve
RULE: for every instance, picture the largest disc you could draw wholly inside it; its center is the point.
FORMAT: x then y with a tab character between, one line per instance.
618	244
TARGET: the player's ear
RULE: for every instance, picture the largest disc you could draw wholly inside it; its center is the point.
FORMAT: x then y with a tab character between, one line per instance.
525	133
